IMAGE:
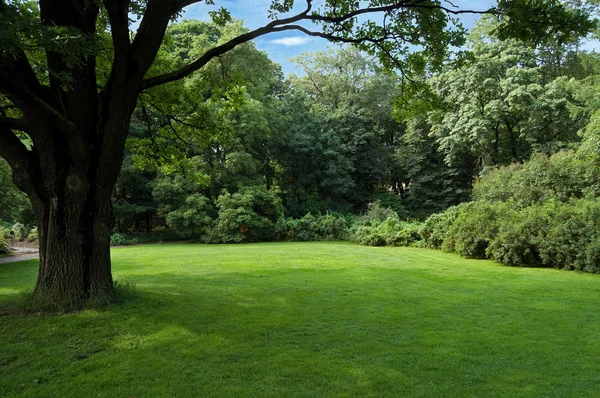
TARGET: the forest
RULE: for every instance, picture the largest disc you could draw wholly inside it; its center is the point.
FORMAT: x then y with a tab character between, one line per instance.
494	154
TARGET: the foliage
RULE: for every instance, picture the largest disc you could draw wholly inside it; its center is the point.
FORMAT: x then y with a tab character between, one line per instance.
133	203
33	234
3	244
118	239
381	226
501	108
432	184
19	231
391	232
312	228
435	229
247	215
474	228
193	217
564	238
313	172
353	95
560	177
592	255
14	205
391	200
376	213
550	234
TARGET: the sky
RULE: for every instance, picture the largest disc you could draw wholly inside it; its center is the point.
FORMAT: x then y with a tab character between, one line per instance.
282	46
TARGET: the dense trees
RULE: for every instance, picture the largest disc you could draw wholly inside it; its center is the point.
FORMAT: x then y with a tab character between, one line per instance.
73	74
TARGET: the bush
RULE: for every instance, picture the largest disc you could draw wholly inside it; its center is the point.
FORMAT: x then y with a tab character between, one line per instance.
560	177
193	217
310	228
118	239
19	231
392	201
376	214
248	215
334	227
33	234
434	231
515	243
569	233
3	245
299	230
592	255
552	234
475	226
391	232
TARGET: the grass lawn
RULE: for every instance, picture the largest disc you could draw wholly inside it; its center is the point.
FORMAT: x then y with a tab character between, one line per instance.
310	320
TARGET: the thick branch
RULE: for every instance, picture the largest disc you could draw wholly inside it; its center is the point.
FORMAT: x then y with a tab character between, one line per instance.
24	98
150	34
289	24
117	16
392	7
12	149
13	124
222	49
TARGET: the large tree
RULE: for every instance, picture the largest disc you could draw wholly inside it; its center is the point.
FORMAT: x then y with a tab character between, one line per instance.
71	72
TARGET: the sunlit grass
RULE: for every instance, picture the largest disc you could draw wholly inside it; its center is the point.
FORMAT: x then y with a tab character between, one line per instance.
313	320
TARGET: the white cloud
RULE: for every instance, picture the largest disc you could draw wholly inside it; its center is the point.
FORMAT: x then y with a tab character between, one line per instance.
291	41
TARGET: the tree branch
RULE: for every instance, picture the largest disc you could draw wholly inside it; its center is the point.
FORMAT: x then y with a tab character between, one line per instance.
222	49
13	124
24	98
285	24
392	7
12	149
119	23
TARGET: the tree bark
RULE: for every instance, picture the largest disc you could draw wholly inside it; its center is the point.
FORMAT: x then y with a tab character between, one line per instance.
74	236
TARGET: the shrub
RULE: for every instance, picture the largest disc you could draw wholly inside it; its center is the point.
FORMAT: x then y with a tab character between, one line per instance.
33	234
569	233
392	201
515	243
333	227
552	234
248	215
391	232
311	228
475	226
193	217
20	231
560	177
3	245
434	231
118	239
376	214
301	230
592	255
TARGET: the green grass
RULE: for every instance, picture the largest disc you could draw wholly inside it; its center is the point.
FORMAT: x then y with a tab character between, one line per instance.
310	320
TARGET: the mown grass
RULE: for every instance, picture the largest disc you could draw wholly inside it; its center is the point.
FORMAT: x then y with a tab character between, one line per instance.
310	320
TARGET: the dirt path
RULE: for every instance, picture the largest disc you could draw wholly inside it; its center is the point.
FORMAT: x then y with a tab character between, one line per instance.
20	254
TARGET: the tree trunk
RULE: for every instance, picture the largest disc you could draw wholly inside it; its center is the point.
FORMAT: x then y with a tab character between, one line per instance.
74	237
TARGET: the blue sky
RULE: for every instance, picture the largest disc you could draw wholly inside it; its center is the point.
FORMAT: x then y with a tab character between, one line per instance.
285	45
